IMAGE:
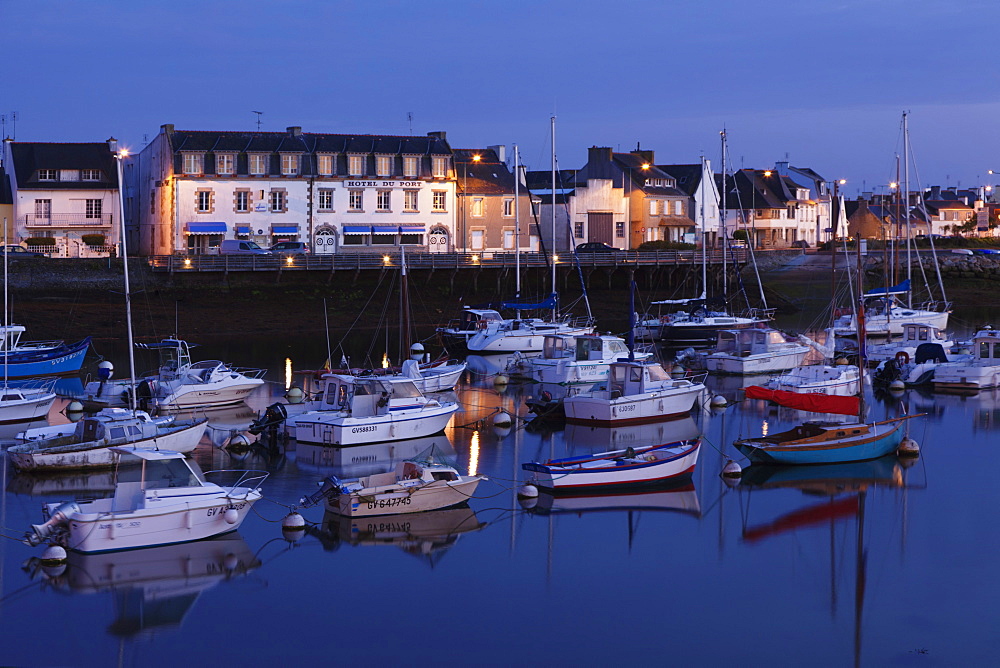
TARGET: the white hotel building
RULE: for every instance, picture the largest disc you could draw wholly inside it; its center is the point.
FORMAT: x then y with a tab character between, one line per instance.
338	193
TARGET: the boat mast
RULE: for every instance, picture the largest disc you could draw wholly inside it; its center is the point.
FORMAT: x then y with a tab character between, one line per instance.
704	235
862	340
722	219
517	230
404	307
552	252
6	308
119	156
906	208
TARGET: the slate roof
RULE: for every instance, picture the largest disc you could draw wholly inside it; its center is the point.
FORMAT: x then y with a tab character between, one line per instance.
306	142
487	176
29	157
688	177
6	196
750	189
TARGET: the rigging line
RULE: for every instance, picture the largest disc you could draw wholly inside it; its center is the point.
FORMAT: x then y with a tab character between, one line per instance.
340	344
930	235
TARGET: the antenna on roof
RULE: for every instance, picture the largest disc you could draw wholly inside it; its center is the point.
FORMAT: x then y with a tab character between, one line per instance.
13	125
258	118
3	126
409	117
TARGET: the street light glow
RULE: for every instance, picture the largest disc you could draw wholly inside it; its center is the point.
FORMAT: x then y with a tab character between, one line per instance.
477	158
767	172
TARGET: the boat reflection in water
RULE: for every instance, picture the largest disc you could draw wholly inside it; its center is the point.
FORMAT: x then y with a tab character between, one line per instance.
153	588
363	460
223	423
678	497
92	484
424	535
586	438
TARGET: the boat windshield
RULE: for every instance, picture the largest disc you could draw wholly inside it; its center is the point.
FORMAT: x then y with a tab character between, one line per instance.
405	389
161	474
657	372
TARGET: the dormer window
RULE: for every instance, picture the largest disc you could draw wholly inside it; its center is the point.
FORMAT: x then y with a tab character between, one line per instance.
194	163
224	164
258	164
356	165
383	165
47	175
324	165
411	166
289	164
439	166
90	175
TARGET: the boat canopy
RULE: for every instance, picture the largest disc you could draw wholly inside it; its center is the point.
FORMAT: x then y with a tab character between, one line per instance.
680	301
901	289
548	303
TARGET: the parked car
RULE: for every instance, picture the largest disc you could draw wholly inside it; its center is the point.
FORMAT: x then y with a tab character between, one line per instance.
20	251
290	248
595	247
239	247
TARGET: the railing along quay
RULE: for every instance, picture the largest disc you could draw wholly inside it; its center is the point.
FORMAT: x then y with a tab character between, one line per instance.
359	261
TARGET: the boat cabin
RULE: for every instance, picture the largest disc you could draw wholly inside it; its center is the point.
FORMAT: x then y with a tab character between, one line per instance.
598	348
363	396
743	342
114	424
986	344
473	319
174	355
629	378
142	471
555	347
917	333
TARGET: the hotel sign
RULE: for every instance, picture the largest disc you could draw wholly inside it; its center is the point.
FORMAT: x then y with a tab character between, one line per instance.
385	184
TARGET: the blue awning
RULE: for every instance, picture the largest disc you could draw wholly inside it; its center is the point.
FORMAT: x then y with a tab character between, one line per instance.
205	228
284	229
243	229
385	229
357	229
411	229
900	289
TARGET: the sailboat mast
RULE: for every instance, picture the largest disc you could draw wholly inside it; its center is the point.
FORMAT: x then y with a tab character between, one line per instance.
6	308
404	307
119	156
704	235
722	218
906	207
517	229
862	340
552	252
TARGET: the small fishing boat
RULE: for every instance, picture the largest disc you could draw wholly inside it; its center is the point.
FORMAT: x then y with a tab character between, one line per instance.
630	466
368	409
411	487
886	315
834	379
160	499
754	350
458	331
25	359
22	403
523	334
824	442
634	392
179	384
982	371
572	359
915	334
93	439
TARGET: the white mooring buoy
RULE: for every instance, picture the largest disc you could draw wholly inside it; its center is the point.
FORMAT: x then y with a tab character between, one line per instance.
500	379
897	385
718	401
231	516
295	395
74	407
293	527
908	448
732	470
417	351
502	419
53	554
527	491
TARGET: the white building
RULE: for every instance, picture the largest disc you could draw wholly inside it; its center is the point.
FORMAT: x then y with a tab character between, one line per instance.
65	196
338	193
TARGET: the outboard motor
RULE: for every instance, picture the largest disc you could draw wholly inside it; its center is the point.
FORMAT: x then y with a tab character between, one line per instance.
329	486
266	426
60	517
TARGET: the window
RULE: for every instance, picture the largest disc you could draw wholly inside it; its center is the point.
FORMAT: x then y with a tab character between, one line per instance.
678	208
383	238
382	203
578	229
411	166
242	201
356	200
224	164
258	164
356	165
508	239
324	165
90	175
410	200
620	229
440	166
94	208
477	207
43	209
47	174
438	203
194	163
203	199
289	165
654	207
508	207
383	165
277	201
326	199
478	238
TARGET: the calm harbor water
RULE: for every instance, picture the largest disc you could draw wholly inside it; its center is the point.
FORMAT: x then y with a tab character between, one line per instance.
877	563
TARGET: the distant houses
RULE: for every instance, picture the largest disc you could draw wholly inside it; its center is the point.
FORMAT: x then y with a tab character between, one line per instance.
188	190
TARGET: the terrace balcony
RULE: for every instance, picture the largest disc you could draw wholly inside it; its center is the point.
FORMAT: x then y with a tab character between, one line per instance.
68	220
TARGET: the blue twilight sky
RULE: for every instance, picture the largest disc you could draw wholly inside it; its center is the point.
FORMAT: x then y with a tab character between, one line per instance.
822	81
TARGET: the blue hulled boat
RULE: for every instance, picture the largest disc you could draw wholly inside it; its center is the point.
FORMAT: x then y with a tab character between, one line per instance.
39	358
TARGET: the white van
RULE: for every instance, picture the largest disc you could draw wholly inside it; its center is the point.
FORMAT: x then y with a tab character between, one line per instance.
239	247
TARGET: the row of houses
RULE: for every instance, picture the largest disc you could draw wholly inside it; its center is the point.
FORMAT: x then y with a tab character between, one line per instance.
188	190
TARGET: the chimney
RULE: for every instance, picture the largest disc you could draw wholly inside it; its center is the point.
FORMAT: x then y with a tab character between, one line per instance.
598	154
295	131
647	156
112	144
167	128
935	192
500	150
781	168
867	196
438	134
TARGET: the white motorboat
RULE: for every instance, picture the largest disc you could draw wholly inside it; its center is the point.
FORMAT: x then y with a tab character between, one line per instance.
368	409
163	501
93	439
834	379
914	334
748	351
982	371
25	402
412	487
524	334
885	315
644	465
458	332
568	360
179	384
634	392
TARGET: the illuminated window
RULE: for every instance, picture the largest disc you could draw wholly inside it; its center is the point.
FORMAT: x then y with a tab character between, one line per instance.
440	166
289	165
224	164
383	165
410	200
411	166
324	165
194	163
258	164
356	165
438	203
478	205
356	200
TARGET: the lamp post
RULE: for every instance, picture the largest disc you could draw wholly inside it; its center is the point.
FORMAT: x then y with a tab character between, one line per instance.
465	199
